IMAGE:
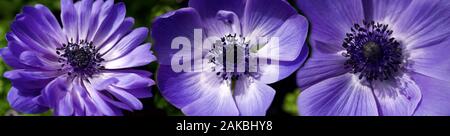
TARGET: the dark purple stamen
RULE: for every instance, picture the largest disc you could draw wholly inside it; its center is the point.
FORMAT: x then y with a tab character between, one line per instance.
219	57
81	57
372	52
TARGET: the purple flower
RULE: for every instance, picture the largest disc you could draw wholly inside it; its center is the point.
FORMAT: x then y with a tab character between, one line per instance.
376	57
233	23
82	68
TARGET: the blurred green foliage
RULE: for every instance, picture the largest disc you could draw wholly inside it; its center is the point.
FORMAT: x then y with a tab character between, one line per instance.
290	102
143	11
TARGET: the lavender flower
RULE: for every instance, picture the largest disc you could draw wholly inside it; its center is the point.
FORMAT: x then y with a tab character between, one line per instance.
82	68
376	57
232	24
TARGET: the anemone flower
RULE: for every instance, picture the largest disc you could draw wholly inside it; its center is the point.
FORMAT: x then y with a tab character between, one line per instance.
228	24
82	68
376	57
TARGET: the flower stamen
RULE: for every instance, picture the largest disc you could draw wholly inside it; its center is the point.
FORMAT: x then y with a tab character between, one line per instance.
80	58
230	57
372	52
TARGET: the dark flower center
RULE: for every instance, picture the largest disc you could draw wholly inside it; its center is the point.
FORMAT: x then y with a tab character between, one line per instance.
230	57
79	58
372	52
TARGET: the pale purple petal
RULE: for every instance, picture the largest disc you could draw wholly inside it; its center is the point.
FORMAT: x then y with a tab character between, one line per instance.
252	97
275	72
338	96
140	56
83	103
214	102
208	10
100	10
398	97
135	82
423	24
320	67
264	17
196	93
290	43
109	24
69	18
100	103
435	96
65	105
384	10
126	98
124	29
84	9
431	61
126	44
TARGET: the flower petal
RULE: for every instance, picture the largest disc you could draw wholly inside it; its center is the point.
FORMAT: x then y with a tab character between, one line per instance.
54	96
253	98
11	60
99	103
24	103
290	43
319	67
44	25
387	11
30	34
179	23
398	97
34	59
215	102
423	24
338	96
100	10
264	17
135	82
124	29
83	103
22	78
342	14
126	98
84	9
429	61
140	56
69	18
49	20
435	96
195	93
126	44
111	22
275	72
208	10
65	106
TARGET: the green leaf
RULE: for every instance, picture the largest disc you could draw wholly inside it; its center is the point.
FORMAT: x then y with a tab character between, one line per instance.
290	102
